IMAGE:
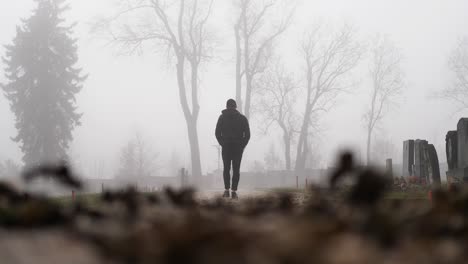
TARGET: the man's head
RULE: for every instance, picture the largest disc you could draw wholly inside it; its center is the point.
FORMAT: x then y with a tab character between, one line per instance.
231	104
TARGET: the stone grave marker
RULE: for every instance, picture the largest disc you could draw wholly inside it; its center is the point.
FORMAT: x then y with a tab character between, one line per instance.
408	158
420	159
451	147
434	169
457	153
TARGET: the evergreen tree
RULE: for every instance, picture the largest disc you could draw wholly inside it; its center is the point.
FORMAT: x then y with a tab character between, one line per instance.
43	82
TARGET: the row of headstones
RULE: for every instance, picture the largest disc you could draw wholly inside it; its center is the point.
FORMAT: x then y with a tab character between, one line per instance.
457	153
420	160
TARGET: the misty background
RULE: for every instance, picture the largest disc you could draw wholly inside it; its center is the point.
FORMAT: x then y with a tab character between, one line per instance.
128	95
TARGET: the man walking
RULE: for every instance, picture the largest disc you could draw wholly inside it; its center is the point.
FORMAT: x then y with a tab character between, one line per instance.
233	134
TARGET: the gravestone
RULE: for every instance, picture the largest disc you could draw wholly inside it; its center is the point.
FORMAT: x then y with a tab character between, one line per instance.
462	143
457	153
417	158
426	166
451	147
408	158
434	170
420	159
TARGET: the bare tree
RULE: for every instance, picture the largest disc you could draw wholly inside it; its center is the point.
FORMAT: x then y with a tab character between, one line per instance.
459	65
279	97
146	157
329	57
182	27
138	159
254	43
387	82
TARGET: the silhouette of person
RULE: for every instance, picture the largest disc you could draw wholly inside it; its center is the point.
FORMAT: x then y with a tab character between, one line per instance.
233	134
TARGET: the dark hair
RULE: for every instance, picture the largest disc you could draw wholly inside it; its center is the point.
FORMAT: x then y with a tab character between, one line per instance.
231	103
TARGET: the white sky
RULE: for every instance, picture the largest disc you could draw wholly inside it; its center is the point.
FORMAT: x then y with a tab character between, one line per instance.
124	94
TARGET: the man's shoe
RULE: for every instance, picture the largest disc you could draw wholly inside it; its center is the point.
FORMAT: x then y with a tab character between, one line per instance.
226	194
234	196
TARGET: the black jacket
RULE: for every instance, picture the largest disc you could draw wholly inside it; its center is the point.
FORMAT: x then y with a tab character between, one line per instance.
232	127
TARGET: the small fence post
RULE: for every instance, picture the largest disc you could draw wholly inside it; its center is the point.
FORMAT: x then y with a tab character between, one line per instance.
73	195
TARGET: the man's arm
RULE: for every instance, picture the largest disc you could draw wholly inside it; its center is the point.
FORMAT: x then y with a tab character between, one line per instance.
218	133
246	132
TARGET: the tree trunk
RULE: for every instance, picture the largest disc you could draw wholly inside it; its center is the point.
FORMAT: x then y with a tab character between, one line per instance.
301	158
287	151
248	95
190	119
238	68
194	151
302	143
369	139
248	76
287	144
301	153
370	125
193	127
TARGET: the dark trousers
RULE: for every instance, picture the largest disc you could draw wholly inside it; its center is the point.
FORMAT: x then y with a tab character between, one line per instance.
232	154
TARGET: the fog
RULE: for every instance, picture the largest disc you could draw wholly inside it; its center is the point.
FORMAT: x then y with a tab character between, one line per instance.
126	95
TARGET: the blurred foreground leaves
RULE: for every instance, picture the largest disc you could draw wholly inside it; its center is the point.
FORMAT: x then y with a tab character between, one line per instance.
331	225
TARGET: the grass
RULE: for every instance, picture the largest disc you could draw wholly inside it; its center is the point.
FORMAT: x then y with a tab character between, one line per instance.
88	199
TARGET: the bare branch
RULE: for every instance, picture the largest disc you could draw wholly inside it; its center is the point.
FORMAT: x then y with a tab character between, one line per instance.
161	14
183	31
278	98
329	58
387	82
458	64
258	37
